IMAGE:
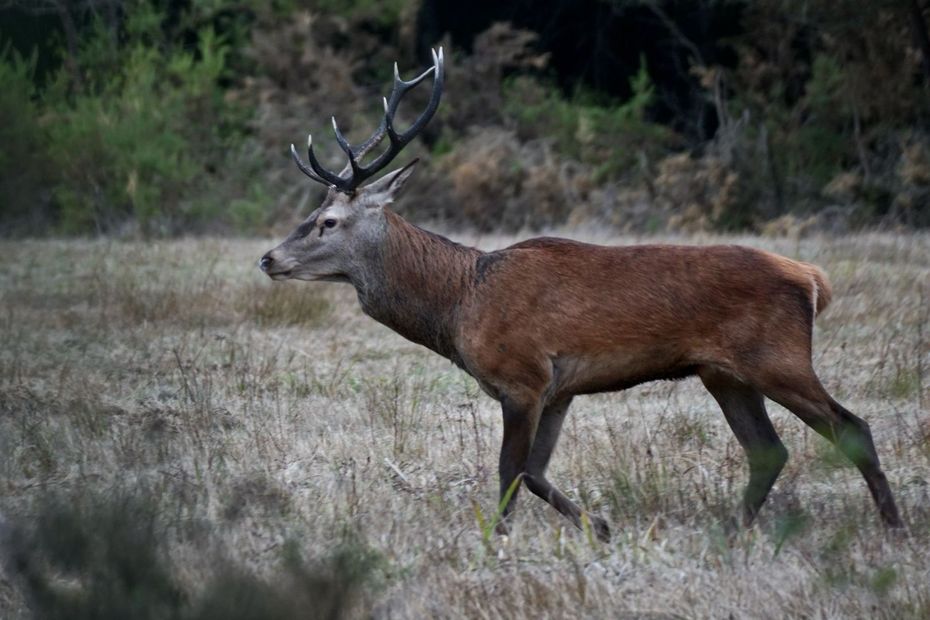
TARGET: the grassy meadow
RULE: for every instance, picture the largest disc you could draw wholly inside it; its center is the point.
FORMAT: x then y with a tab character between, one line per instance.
182	438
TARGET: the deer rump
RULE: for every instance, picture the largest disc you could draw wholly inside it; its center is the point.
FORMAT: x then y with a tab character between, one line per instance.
607	318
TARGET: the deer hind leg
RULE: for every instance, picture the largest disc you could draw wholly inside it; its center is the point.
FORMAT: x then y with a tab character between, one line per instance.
800	391
744	411
547	435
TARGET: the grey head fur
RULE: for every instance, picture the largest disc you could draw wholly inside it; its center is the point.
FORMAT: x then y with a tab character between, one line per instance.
338	241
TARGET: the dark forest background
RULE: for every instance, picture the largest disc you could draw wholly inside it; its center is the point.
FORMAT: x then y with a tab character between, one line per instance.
167	117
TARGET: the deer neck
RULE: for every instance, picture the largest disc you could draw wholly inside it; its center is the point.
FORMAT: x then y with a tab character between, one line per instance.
414	283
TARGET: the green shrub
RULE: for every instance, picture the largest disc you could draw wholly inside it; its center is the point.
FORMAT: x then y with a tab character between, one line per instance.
22	139
93	556
820	145
608	135
386	12
142	136
137	143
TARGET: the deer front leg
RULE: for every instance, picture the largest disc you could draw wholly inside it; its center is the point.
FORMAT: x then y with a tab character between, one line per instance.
520	420
547	434
530	435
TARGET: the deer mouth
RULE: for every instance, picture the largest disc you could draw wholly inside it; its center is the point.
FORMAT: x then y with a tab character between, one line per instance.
280	275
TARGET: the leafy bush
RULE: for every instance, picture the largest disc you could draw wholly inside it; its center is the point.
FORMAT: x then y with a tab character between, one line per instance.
386	12
610	136
495	182
22	140
698	194
98	557
168	118
140	145
142	138
818	148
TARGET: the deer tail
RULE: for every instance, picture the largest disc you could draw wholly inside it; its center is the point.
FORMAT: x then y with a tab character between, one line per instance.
822	291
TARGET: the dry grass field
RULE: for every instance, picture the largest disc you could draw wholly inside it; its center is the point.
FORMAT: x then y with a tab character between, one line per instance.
182	438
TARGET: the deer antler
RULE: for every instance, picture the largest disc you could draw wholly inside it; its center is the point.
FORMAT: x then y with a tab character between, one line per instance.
357	173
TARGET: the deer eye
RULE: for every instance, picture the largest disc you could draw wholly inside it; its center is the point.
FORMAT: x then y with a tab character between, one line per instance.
330	223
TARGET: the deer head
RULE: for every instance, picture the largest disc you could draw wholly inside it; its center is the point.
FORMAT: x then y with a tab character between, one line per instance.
333	242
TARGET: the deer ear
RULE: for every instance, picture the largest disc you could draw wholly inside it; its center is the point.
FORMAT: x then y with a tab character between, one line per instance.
387	188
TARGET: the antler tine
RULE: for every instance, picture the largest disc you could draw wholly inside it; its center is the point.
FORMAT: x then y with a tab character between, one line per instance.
304	167
401	86
347	148
331	178
399	141
363	149
358	172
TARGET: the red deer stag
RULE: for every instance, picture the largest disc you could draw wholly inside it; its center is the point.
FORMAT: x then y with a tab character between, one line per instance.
547	319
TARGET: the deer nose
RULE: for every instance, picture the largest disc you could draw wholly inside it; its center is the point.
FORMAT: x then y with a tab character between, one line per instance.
265	263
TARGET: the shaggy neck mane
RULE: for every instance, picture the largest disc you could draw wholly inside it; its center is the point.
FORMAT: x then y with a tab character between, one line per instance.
416	284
